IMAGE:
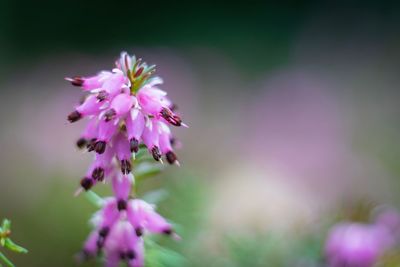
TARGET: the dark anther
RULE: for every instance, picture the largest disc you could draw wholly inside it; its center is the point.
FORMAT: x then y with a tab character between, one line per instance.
86	183
100	147
104	231
171	157
169	116
155	151
126	166
139	231
102	95
74	116
77	81
130	254
121	204
167	231
122	255
176	121
102	236
81	143
110	114
98	174
165	113
91	144
134	145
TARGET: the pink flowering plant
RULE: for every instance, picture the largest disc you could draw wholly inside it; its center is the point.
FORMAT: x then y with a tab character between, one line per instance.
128	130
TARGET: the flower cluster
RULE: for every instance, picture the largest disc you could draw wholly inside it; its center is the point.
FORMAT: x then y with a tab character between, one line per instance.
362	244
126	112
120	225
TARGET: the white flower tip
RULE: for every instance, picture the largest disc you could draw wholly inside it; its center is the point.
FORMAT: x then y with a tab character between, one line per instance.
68	79
177	163
176	237
161	161
185	125
78	191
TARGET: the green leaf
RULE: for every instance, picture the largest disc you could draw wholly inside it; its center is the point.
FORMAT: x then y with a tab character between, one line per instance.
6	225
14	247
6	261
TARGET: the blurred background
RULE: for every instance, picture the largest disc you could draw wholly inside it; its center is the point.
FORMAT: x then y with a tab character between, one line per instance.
293	111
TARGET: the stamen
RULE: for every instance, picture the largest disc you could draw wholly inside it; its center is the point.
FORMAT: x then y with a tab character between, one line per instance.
98	174
91	145
167	231
74	116
102	95
171	157
169	116
155	151
81	143
76	81
86	183
100	147
139	231
110	114
134	145
126	166
121	204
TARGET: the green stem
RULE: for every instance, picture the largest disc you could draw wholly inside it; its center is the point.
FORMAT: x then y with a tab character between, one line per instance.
7	261
94	198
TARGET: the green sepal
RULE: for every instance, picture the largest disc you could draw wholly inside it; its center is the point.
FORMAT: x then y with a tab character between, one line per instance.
93	198
14	247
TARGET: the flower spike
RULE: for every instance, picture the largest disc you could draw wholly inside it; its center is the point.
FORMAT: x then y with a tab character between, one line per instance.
127	114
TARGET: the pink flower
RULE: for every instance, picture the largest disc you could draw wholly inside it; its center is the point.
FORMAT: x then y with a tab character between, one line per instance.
356	244
125	108
119	232
144	218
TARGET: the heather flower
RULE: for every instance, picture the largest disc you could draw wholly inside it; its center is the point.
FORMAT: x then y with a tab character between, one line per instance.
126	112
356	244
120	228
125	108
